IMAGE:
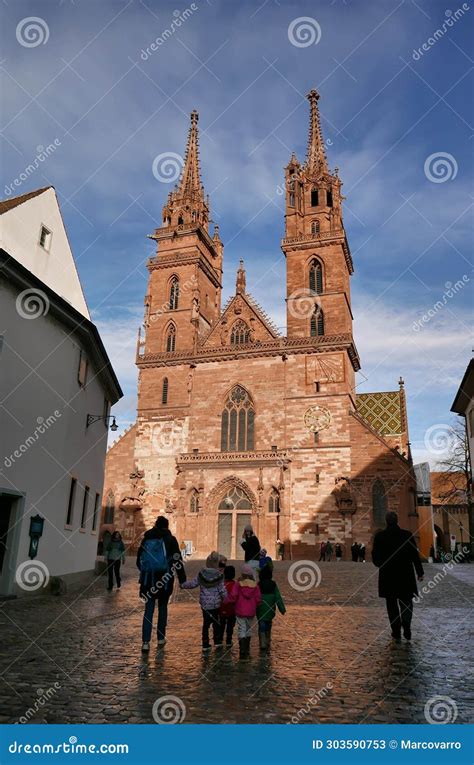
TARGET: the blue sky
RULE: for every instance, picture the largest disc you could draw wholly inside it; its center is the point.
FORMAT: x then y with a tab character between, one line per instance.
385	112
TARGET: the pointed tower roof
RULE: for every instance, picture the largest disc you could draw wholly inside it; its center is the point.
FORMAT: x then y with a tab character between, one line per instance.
316	162
187	203
190	181
240	284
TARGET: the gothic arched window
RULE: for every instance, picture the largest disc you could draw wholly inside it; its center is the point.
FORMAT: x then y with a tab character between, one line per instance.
164	391
379	504
317	322
239	333
329	198
174	293
180	221
315	227
314	197
109	511
194	501
274	502
171	338
316	276
237	423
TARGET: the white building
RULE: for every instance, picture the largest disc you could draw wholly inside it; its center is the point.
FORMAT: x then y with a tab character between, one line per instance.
54	373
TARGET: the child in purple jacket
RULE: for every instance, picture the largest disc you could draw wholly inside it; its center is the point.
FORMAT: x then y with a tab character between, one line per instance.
211	595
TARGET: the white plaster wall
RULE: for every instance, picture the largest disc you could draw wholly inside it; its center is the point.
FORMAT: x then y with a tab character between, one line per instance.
19	236
42	473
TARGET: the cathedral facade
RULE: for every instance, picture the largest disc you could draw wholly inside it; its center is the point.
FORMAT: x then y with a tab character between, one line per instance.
239	424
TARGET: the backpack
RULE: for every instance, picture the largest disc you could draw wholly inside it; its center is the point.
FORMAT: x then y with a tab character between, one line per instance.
153	557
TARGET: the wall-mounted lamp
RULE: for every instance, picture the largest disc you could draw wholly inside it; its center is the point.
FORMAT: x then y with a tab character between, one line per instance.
91	418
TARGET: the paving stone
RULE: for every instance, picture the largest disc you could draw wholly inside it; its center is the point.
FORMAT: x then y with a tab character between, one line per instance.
90	644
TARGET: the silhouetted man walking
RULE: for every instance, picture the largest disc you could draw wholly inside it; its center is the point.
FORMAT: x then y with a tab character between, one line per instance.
396	555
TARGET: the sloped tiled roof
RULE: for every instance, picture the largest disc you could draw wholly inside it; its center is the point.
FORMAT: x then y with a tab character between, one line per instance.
383	411
9	204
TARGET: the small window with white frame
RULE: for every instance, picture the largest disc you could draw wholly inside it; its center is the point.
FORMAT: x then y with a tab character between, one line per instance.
45	238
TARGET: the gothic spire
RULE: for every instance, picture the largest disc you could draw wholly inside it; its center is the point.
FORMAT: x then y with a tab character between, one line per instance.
316	162
190	182
187	203
240	285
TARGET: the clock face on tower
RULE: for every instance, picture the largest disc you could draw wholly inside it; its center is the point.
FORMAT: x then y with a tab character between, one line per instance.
317	418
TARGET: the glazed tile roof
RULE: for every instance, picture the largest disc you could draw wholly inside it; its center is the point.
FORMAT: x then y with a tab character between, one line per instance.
383	411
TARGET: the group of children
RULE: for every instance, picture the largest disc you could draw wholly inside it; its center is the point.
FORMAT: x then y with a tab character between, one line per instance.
246	602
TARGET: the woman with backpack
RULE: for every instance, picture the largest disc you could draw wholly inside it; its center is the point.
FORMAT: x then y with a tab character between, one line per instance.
159	561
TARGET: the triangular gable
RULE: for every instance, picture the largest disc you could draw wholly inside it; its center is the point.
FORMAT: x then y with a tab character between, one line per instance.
22	219
241	307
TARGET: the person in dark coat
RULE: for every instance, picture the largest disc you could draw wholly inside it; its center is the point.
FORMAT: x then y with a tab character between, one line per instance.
156	581
396	556
355	552
322	551
251	547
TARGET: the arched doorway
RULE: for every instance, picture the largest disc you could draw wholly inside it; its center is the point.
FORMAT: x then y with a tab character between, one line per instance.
234	512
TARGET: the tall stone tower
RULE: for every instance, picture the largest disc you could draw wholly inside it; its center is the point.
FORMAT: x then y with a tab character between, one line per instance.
319	263
184	290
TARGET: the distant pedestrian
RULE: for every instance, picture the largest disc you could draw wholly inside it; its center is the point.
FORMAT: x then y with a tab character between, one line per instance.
355	552
362	552
246	596
264	560
338	550
322	551
159	561
396	556
212	593
183	548
251	547
114	553
271	600
328	550
280	549
227	608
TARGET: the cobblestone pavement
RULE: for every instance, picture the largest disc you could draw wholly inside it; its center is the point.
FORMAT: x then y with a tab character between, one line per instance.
332	659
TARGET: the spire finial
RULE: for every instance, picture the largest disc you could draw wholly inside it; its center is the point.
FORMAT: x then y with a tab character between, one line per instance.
316	161
241	280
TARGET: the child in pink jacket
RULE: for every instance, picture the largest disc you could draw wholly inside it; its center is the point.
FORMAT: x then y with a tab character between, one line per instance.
246	596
